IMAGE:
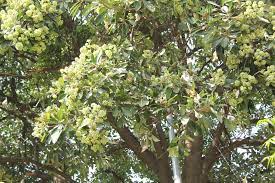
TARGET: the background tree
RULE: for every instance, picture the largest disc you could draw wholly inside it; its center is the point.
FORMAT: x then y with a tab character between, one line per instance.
125	66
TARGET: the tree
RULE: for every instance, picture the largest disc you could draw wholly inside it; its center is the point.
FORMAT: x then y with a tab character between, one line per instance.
126	65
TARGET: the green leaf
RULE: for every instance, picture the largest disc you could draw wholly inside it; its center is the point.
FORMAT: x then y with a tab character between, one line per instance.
127	111
116	112
85	122
168	93
137	5
98	58
75	8
87	9
60	113
55	133
264	20
185	120
143	102
100	18
108	53
267	121
218	115
186	152
217	42
225	42
244	180
120	71
154	138
230	125
149	6
183	26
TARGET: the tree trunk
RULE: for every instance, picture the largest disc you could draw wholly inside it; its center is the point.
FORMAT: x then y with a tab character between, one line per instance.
192	171
164	173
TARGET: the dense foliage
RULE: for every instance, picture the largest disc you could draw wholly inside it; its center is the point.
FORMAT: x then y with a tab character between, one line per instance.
86	87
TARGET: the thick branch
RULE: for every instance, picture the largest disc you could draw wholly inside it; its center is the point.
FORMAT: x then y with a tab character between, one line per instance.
19	160
216	153
113	148
238	143
43	177
162	137
132	143
192	169
46	69
30	57
161	148
9	74
29	73
146	156
213	150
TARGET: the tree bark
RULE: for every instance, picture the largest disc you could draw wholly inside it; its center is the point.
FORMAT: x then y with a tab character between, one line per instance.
192	169
165	172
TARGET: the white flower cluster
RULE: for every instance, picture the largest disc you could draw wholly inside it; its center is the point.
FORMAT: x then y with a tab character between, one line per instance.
246	82
270	75
218	78
28	24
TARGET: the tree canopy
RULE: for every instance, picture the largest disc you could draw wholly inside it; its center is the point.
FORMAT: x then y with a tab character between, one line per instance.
86	88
